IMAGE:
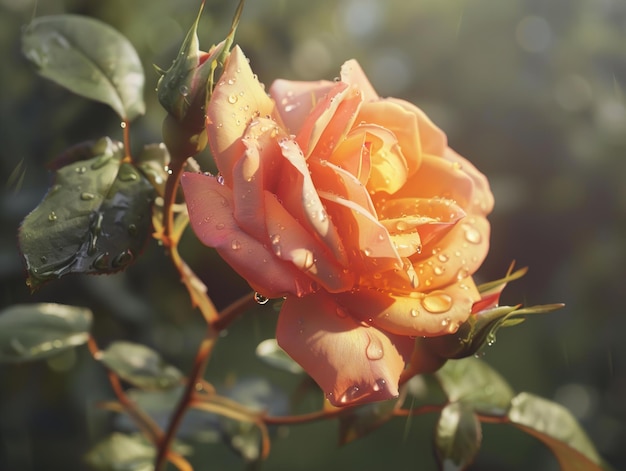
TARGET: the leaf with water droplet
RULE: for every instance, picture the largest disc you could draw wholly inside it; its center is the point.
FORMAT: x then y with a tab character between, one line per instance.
103	233
557	428
458	436
473	382
140	366
34	331
89	58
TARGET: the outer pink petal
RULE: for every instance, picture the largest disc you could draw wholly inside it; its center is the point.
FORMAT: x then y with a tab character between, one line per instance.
351	362
238	97
211	216
429	314
352	73
295	100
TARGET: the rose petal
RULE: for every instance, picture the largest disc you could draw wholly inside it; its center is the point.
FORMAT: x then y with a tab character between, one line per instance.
211	216
299	196
319	118
438	178
373	250
237	98
403	124
291	242
352	73
351	362
295	100
432	140
353	155
455	256
430	314
388	167
482	201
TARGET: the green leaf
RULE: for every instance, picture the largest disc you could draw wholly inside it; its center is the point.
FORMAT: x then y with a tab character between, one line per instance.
270	352
557	429
457	437
140	366
95	219
120	452
473	382
89	58
34	331
363	420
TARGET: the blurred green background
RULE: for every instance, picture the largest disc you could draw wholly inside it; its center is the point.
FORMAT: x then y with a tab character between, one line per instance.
532	91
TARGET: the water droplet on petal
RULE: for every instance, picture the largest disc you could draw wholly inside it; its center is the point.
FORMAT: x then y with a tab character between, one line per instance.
437	302
462	273
374	350
442	257
220	178
471	234
235	244
379	385
414	312
260	299
367	252
439	270
350	395
275	241
219	226
232	99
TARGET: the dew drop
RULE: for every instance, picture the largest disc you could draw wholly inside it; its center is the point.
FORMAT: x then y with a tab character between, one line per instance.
219	226
437	302
220	178
374	350
442	257
80	170
43	259
235	244
85	196
132	230
232	99
122	259
352	393
367	252
341	312
275	241
52	216
101	262
445	322
123	125
260	299
401	226
438	270
379	385
462	273
471	234
184	90
491	339
414	312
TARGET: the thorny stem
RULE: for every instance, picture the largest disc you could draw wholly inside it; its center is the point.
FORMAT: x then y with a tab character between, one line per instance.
126	127
199	364
143	421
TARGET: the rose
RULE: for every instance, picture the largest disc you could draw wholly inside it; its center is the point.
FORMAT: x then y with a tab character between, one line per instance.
354	209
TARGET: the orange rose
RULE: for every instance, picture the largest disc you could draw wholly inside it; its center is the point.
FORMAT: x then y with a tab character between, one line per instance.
352	207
